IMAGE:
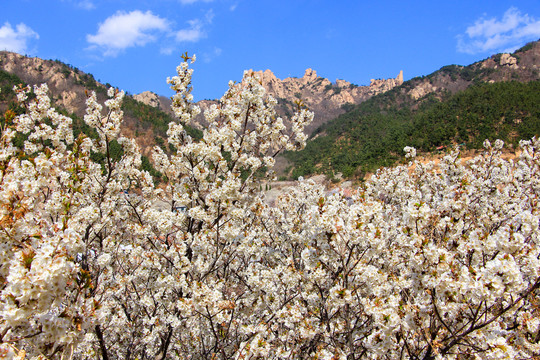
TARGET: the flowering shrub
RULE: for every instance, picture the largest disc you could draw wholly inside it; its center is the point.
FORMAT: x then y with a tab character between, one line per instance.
424	261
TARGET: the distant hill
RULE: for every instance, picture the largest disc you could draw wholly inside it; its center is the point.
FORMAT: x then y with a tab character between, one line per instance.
498	97
325	98
68	87
148	114
357	128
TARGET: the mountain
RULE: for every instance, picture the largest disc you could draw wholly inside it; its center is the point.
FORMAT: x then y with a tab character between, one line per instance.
357	128
498	97
326	99
147	114
68	87
67	84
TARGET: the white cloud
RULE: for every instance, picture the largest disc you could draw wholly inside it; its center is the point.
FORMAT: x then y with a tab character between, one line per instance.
167	50
123	30
189	2
506	34
209	56
82	4
86	5
16	39
192	34
209	16
195	31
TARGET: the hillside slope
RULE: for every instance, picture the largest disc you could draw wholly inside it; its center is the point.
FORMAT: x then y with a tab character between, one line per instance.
494	98
68	87
325	98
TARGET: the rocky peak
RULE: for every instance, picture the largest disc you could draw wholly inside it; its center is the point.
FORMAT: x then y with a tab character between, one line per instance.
309	75
320	94
148	98
399	78
342	83
382	85
266	76
522	66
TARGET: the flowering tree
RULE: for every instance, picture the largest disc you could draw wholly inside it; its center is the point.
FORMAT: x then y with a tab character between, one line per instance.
423	262
91	271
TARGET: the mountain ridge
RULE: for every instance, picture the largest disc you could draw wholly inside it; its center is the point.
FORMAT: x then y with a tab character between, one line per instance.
68	89
415	113
67	85
147	114
325	98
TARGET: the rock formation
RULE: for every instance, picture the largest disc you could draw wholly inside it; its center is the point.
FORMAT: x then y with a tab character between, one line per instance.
422	90
319	94
378	86
508	60
149	98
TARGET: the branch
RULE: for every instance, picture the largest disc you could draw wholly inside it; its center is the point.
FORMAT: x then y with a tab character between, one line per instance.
495	317
102	346
167	343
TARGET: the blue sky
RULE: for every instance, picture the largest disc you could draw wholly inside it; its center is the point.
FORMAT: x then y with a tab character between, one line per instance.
136	44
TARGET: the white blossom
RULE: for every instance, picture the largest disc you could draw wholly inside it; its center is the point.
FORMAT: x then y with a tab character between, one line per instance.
424	261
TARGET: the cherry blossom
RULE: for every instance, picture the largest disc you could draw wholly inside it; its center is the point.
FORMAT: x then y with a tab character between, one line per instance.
425	261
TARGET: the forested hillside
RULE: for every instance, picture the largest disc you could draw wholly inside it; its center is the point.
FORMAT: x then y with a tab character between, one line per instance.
69	88
146	123
374	133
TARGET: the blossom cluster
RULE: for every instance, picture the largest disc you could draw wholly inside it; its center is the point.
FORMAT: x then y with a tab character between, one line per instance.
426	261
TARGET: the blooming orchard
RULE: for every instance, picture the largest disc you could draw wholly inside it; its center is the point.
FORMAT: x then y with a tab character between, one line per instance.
423	262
